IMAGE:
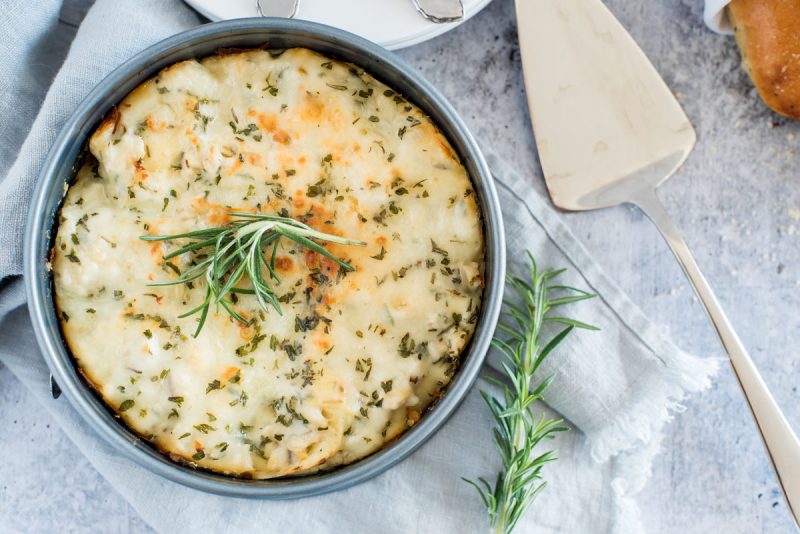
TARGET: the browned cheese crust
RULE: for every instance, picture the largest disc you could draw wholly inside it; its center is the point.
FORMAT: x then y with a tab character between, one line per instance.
351	362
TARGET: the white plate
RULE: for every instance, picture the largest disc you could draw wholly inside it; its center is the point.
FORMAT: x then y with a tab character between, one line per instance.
391	23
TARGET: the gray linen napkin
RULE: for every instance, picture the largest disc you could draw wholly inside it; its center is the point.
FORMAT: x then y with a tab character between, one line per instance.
617	387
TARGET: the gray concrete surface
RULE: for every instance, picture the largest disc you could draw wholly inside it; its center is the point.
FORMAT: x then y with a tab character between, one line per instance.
737	200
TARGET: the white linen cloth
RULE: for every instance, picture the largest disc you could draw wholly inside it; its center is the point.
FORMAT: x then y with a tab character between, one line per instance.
716	16
617	388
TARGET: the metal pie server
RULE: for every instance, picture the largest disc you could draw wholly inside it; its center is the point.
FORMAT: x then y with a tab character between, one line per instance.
609	131
440	11
277	8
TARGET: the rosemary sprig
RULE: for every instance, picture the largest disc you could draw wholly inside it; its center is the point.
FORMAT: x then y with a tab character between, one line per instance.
224	254
519	430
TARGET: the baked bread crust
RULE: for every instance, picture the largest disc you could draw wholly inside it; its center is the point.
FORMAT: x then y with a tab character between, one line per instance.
768	34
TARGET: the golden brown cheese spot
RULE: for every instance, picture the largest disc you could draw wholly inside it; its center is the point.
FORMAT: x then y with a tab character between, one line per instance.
282	137
140	172
254	159
284	264
299	200
355	358
312	108
215	214
155	124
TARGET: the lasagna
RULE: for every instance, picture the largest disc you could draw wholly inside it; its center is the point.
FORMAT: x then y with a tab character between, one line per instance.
353	359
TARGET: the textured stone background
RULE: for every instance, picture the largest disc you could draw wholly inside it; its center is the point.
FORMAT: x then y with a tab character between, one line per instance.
736	199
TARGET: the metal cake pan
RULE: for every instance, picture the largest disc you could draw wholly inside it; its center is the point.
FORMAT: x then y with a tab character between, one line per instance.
59	169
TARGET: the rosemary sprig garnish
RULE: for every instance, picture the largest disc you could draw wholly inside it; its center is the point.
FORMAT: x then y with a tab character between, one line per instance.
519	430
226	253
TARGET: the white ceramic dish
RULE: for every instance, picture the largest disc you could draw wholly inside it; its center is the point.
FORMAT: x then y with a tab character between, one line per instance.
394	24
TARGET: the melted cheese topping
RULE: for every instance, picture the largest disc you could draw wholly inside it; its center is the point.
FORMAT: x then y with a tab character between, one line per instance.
353	361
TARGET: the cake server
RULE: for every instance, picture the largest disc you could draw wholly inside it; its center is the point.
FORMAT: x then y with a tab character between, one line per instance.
609	131
277	8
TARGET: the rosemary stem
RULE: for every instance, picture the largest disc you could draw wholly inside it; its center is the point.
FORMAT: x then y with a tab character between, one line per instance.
227	253
518	433
500	526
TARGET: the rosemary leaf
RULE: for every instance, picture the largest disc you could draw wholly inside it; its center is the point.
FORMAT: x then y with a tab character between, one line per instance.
234	250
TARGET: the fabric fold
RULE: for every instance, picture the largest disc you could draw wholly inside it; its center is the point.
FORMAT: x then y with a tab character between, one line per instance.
616	400
111	33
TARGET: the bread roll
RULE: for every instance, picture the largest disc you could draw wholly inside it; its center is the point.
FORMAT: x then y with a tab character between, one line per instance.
768	34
